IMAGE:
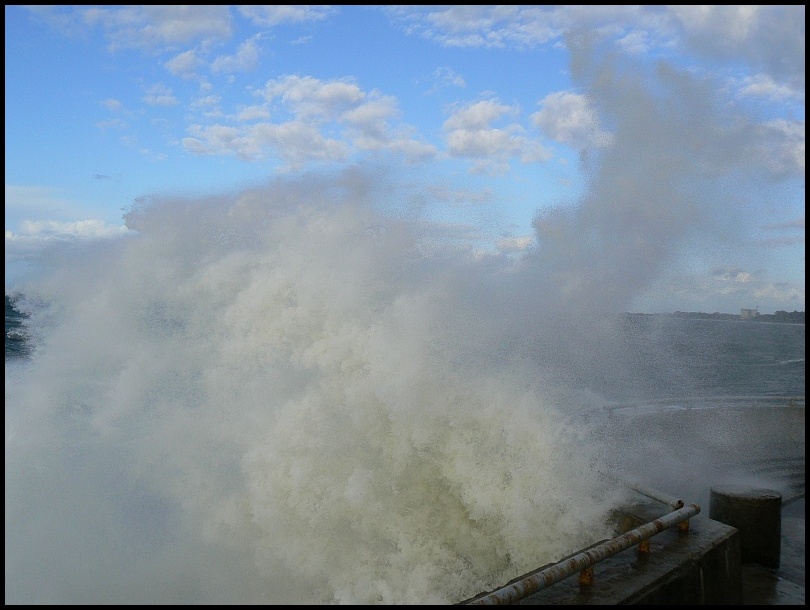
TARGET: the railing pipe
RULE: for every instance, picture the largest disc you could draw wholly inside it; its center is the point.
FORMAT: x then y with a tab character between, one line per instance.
584	560
659	496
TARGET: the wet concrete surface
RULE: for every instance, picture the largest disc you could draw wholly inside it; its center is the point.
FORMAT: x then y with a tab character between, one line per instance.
783	586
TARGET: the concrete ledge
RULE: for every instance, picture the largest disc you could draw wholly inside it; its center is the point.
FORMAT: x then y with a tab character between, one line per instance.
701	566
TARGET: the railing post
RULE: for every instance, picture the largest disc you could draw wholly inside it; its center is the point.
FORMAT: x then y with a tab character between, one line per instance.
586	576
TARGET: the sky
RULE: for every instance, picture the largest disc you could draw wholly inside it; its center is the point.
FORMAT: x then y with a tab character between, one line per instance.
667	140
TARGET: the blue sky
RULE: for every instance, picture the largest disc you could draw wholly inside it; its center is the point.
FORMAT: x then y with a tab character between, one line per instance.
677	132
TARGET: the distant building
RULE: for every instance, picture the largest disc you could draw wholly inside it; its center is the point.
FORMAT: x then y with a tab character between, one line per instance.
748	314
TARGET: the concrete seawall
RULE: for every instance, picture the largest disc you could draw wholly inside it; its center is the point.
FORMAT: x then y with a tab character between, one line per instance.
704	563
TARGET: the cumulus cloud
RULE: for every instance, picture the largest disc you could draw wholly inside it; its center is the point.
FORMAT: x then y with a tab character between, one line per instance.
569	118
369	127
447	76
470	133
245	59
160	95
295	142
370	120
251	113
209	101
355	120
155	27
185	64
763	86
522	26
768	38
309	97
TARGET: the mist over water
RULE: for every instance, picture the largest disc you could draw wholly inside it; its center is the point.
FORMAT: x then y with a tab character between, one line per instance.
289	395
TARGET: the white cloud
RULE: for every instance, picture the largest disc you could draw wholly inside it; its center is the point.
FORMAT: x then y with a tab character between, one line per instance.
209	101
251	113
780	292
447	76
312	98
80	229
269	15
570	119
208	106
725	289
477	115
184	65
732	274
154	27
470	134
370	120
160	95
518	26
112	105
485	142
487	26
245	59
295	142
365	121
412	150
769	38
33	238
514	244
636	42
298	143
763	86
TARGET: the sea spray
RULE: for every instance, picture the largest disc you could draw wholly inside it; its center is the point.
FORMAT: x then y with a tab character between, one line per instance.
298	393
281	396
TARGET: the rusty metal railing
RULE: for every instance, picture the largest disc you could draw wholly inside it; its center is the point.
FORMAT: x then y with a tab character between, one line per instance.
583	562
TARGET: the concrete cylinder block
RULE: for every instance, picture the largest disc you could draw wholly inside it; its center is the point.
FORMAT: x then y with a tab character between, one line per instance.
757	514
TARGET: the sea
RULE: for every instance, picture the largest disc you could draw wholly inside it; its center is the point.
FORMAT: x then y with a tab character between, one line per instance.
305	403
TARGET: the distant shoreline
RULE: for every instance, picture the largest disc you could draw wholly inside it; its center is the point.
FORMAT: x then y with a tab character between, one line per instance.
781	317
